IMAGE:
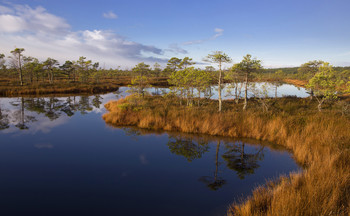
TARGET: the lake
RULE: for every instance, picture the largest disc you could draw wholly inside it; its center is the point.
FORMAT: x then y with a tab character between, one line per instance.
58	157
283	89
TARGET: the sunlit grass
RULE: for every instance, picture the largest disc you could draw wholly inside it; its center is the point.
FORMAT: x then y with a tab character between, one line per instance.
319	141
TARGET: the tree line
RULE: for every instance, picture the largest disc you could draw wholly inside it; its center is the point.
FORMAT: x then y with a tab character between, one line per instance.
324	82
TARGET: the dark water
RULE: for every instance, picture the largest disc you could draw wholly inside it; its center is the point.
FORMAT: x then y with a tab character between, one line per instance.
58	157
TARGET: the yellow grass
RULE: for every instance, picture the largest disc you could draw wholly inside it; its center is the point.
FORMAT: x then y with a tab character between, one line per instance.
300	83
319	141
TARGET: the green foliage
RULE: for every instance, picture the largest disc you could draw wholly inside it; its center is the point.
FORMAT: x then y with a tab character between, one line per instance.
248	65
173	64
156	70
246	68
50	66
186	62
309	69
83	68
141	69
186	80
68	69
218	57
323	84
17	62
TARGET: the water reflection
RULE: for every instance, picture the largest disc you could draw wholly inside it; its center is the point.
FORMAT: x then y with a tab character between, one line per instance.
189	147
216	182
23	112
243	156
67	155
238	159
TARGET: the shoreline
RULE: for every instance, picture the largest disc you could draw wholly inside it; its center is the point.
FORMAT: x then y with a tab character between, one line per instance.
309	136
70	88
82	88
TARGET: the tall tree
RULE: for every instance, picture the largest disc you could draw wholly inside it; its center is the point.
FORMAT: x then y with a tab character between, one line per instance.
68	69
246	67
219	57
50	65
31	67
308	70
323	84
186	62
17	62
83	67
140	81
174	64
156	70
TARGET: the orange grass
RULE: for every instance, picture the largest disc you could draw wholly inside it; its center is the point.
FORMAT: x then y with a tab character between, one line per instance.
319	141
300	83
10	87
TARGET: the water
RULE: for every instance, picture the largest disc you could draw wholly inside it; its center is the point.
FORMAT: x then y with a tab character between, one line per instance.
58	157
283	89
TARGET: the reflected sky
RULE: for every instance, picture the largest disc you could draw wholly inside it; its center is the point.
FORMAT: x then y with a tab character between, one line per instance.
58	157
282	90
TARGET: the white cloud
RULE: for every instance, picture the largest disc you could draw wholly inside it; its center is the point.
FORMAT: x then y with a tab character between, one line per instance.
25	18
45	35
219	32
110	15
9	23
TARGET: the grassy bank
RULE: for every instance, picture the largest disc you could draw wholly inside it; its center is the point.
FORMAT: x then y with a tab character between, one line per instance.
299	83
320	141
9	88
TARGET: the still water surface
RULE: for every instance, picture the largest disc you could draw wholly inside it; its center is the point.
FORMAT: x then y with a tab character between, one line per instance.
58	157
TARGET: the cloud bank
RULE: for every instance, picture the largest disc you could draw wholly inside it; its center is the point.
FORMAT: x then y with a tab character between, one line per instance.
44	35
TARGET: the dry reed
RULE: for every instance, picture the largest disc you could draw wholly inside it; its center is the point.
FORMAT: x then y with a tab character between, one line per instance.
319	141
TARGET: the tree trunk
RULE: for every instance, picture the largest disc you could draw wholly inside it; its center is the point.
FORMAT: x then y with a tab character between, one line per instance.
236	93
20	70
219	87
276	91
246	92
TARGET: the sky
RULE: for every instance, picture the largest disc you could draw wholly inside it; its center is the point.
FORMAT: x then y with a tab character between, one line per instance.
122	33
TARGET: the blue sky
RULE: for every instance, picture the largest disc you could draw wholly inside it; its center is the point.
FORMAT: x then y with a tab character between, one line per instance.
123	33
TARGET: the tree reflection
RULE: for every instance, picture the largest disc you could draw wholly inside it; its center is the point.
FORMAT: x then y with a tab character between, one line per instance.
242	162
53	108
96	101
26	110
69	106
84	105
4	120
20	116
216	182
187	147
